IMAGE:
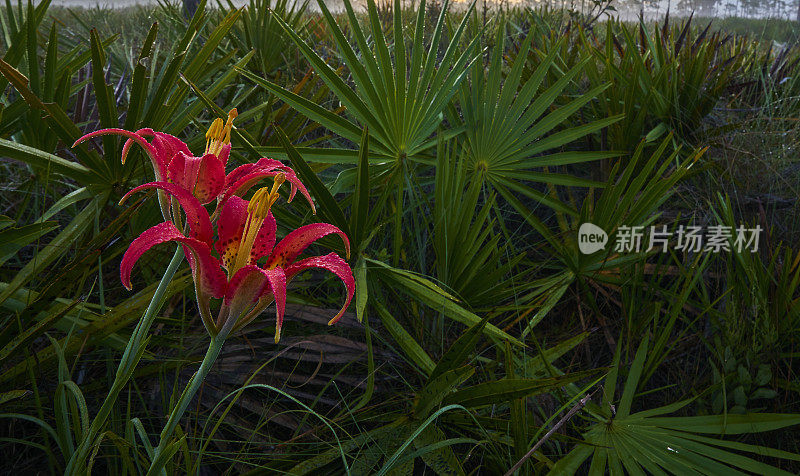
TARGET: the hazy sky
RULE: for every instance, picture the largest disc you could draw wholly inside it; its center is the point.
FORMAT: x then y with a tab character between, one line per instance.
118	3
776	8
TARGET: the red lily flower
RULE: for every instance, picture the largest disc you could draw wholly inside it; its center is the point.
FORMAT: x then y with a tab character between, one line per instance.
246	234
204	176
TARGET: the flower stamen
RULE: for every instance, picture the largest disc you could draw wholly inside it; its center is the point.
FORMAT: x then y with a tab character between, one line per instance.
219	134
257	211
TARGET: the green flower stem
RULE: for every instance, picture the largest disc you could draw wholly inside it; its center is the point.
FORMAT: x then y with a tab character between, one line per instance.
131	356
157	467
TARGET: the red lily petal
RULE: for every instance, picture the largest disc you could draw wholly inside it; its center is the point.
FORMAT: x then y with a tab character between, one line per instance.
146	132
265	240
298	240
273	163
242	178
224	154
333	263
205	268
230	227
158	164
264	163
203	176
168	145
163	147
277	283
298	185
126	148
196	215
132	136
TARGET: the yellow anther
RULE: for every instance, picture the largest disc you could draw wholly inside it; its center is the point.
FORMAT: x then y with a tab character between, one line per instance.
260	202
213	131
219	134
257	198
257	211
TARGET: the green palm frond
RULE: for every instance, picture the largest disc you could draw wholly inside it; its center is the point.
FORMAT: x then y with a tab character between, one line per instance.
398	94
649	442
513	128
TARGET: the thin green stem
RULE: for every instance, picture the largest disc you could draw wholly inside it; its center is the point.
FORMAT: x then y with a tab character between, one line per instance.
130	358
214	348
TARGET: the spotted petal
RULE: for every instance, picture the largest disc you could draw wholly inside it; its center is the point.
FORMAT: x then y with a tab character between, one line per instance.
230	227
333	263
298	240
208	276
196	215
203	176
